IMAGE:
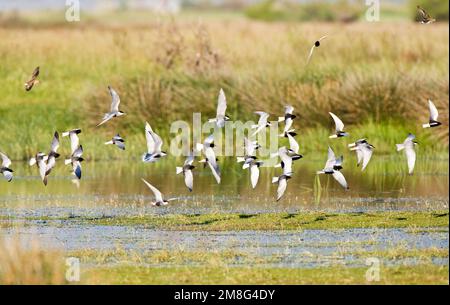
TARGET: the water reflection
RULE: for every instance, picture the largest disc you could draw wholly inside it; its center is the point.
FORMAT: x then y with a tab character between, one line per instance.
117	184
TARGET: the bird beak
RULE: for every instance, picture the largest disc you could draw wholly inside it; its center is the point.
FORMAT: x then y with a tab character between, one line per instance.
352	145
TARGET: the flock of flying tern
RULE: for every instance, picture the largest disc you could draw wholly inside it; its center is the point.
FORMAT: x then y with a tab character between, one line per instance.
333	166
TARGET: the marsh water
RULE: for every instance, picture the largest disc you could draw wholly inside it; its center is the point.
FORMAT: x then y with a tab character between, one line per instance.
115	188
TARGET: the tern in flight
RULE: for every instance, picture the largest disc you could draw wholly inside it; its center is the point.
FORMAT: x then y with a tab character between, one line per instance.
333	167
433	122
118	141
221	116
364	151
154	144
159	200
408	147
292	152
33	80
286	164
53	154
339	127
288	119
73	137
210	156
250	153
262	122
315	45
115	112
5	168
75	160
40	161
186	169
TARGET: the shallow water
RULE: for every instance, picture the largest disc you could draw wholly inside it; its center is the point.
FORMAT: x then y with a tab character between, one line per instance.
303	249
115	188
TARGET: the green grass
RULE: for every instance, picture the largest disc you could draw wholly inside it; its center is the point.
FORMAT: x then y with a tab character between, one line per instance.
270	221
420	274
379	88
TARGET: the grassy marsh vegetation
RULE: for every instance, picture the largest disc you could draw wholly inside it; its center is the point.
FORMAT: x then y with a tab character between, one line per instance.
377	77
420	274
269	221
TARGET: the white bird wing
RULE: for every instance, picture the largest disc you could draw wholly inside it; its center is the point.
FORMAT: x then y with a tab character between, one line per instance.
156	192
55	142
42	168
292	143
337	122
215	171
74	141
282	185
331	159
151	145
287	161
287	125
78	152
411	157
221	104
433	111
288	109
254	174
158	141
6	161
106	118
366	155
115	100
189	160
250	147
263	116
209	140
189	179
359	155
339	177
310	54
211	156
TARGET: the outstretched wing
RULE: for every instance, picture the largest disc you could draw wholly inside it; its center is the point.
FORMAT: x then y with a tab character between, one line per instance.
115	99
310	54
151	145
263	116
282	185
292	143
366	155
189	179
411	157
337	122
331	160
55	142
339	177
221	104
433	111
254	174
6	162
156	192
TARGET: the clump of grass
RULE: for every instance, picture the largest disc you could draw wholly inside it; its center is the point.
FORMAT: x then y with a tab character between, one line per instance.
26	262
417	274
275	221
378	76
